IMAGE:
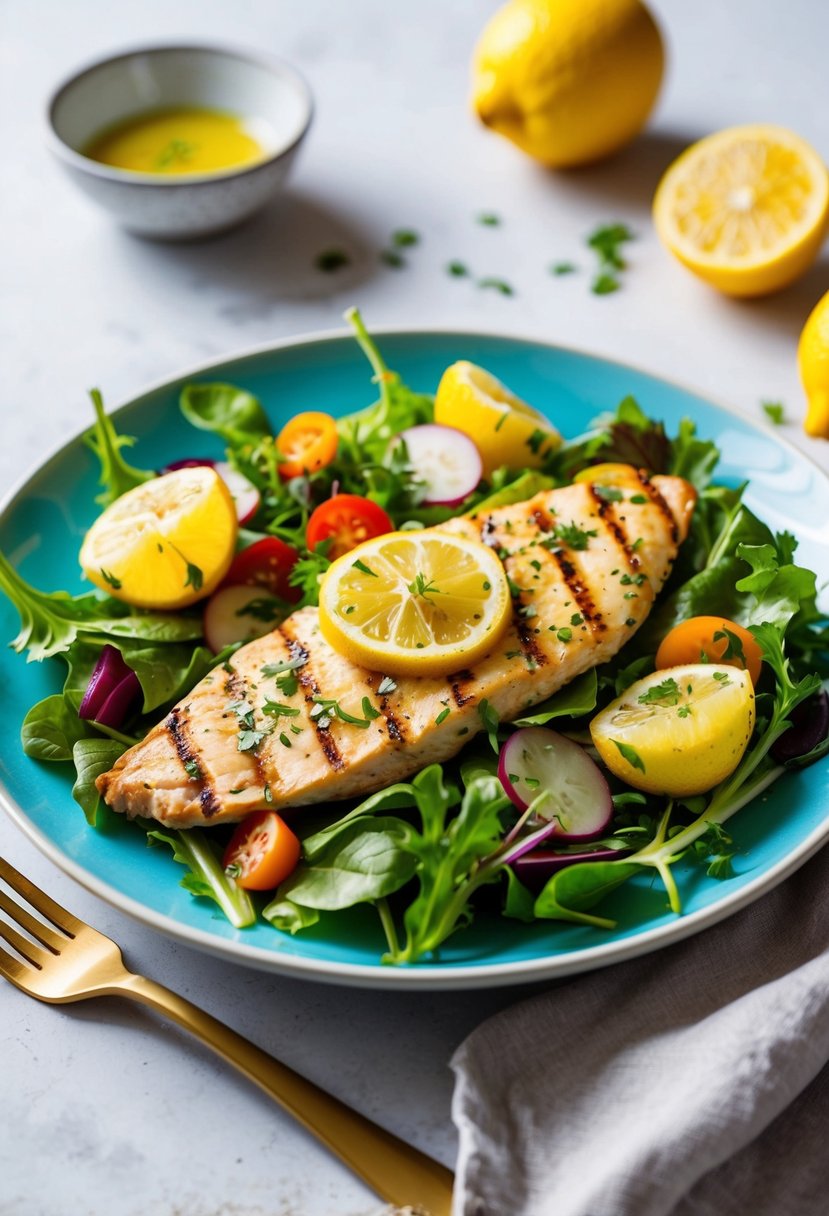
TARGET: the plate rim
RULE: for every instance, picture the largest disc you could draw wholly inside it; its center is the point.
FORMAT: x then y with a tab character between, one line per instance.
424	977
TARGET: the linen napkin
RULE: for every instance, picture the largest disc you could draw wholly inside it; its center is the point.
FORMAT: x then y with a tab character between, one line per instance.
689	1082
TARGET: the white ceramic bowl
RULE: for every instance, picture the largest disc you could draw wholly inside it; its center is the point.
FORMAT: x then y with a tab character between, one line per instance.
180	208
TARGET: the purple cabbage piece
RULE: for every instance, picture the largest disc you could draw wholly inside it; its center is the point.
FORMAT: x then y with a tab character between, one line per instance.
809	726
534	868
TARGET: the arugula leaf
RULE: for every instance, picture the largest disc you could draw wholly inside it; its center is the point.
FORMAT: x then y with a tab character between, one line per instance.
231	412
205	876
116	475
51	621
92	757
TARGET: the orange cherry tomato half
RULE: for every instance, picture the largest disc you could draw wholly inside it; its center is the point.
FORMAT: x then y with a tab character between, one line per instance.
266	563
714	639
262	852
307	443
348	519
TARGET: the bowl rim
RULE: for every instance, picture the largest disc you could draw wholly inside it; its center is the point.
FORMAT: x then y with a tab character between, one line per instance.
273	63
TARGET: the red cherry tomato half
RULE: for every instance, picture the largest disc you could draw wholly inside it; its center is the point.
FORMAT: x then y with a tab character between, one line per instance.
266	563
348	519
262	852
307	443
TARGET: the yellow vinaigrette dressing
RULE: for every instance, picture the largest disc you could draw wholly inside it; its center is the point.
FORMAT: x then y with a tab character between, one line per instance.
176	141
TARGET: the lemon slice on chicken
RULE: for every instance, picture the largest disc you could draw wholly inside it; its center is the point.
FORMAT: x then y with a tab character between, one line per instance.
415	603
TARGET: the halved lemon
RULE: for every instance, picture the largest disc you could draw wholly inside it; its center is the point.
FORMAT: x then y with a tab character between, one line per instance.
505	430
415	603
745	209
679	731
166	543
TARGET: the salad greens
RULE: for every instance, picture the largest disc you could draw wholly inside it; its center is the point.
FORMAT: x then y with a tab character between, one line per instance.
418	852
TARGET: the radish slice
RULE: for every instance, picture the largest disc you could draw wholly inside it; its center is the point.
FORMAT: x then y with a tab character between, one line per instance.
191	462
446	460
240	614
246	497
576	798
535	868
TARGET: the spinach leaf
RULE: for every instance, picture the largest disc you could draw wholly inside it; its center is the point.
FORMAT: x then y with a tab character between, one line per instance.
366	861
92	757
778	591
116	475
284	914
392	798
570	892
237	416
51	729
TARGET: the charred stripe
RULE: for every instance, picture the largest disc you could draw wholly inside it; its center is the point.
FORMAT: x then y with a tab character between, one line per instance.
188	755
310	690
659	502
614	526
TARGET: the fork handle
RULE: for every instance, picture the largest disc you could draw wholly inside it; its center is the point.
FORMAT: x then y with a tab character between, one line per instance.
396	1171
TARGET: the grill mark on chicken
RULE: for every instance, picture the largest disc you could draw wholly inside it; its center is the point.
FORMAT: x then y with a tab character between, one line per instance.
614	526
542	519
487	529
311	689
527	636
394	726
187	754
658	501
456	683
579	590
236	688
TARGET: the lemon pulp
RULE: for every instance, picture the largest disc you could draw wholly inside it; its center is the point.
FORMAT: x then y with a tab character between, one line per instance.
416	603
745	209
166	543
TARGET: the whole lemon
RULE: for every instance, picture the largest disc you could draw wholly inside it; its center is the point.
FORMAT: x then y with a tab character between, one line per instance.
813	361
568	81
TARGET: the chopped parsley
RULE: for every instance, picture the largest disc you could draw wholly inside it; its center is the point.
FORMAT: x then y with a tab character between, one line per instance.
325	709
363	568
565	634
115	583
423	587
277	710
559	268
608	493
775	411
191	768
572	536
630	754
497	284
734	645
489	219
458	270
403	237
442	716
390	257
666	693
330	260
535	441
606	242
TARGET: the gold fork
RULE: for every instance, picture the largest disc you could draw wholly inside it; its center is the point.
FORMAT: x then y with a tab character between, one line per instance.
79	962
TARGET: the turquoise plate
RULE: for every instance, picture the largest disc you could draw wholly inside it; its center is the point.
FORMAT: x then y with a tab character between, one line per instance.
41	528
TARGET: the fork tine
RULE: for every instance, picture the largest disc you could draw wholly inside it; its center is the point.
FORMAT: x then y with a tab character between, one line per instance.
40	901
23	946
13	969
40	931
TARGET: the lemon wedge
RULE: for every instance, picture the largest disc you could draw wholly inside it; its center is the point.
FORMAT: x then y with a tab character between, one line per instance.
813	363
415	603
166	543
679	731
504	429
745	209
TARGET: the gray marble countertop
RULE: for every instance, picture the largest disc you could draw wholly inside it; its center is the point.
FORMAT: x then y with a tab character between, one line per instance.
105	1109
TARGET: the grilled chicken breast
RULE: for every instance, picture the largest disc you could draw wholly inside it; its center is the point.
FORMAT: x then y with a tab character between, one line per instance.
585	564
